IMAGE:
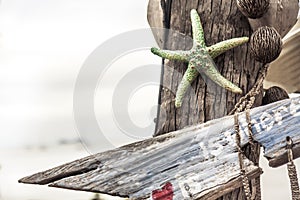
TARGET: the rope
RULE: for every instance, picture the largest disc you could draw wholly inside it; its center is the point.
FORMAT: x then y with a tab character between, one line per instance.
256	190
292	170
245	104
250	96
241	156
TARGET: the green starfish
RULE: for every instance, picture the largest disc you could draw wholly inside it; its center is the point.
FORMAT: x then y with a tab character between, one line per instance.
200	59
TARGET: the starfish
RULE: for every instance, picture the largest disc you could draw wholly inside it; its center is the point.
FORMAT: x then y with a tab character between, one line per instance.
200	59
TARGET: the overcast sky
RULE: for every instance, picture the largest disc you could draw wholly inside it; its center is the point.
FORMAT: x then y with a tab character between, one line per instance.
43	45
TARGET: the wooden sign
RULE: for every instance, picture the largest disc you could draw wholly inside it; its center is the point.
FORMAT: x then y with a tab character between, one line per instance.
198	162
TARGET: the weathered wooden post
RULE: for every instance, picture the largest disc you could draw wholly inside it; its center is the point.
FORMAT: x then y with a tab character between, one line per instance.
221	20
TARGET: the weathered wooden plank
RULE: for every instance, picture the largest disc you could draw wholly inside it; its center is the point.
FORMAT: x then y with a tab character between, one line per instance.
200	161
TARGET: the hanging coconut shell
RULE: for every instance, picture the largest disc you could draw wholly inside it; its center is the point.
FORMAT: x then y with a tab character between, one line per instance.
265	44
253	8
274	94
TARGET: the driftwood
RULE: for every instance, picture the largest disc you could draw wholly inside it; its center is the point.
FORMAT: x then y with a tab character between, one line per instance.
199	161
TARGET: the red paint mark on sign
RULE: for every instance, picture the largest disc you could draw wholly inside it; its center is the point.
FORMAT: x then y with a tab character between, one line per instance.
166	192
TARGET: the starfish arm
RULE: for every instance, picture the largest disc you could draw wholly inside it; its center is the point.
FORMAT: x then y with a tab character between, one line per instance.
208	67
171	55
189	76
198	33
221	47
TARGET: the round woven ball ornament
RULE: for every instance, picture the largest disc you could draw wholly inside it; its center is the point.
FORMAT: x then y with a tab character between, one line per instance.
253	8
274	94
265	44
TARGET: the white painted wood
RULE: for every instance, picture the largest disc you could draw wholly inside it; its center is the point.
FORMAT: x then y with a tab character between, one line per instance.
200	160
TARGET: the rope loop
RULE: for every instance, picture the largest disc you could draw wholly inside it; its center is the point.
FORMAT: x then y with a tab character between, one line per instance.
289	147
292	172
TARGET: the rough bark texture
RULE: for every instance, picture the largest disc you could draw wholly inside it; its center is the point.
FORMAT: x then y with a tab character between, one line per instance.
221	20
